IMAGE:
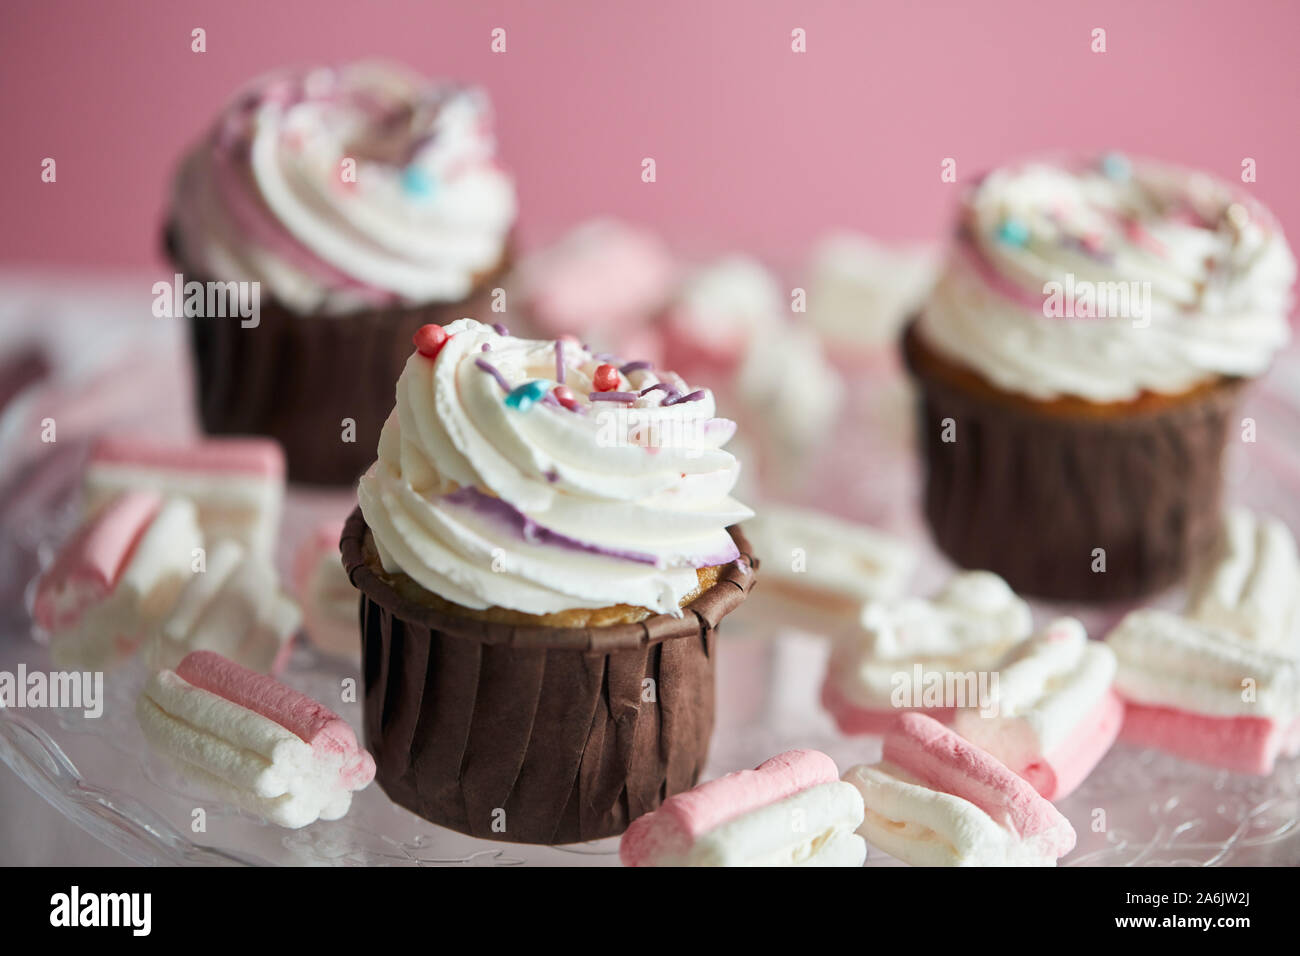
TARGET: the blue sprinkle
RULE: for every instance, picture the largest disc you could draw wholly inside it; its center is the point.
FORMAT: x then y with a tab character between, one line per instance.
416	182
1013	232
1116	166
525	396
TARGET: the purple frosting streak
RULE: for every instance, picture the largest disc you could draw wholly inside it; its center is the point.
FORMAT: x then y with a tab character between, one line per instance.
529	530
492	370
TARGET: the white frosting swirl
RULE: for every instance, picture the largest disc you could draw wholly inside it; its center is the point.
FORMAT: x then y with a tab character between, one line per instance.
1207	272
546	508
344	188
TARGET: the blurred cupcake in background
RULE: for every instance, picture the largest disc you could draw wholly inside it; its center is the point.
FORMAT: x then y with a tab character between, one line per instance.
1080	362
601	281
364	202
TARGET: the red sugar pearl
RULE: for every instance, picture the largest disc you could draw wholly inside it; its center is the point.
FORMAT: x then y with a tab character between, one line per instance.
605	379
429	340
564	395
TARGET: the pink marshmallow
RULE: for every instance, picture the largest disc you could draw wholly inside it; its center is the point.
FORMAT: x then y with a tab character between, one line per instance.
315	724
1242	744
254	456
1056	775
90	563
684	817
854	720
942	760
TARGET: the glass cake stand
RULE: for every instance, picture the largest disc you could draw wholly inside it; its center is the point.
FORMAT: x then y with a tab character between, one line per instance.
1138	808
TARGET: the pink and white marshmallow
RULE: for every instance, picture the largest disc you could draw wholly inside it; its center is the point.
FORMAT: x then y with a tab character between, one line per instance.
1252	587
1199	692
1053	714
329	601
253	741
114	581
792	810
236	483
902	659
936	799
233	607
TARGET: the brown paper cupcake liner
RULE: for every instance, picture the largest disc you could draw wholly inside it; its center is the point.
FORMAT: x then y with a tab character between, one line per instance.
536	734
1030	497
296	378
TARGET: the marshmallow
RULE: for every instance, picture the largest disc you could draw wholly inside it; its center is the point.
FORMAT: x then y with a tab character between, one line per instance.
329	601
1053	714
860	292
968	628
253	741
603	276
936	799
116	578
1253	586
236	483
827	560
790	811
1198	692
235	608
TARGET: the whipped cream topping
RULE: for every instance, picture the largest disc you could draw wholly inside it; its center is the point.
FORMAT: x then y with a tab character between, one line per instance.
1165	279
506	478
347	188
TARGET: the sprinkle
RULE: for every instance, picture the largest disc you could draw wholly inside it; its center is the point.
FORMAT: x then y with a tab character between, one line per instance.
606	378
500	329
492	370
638	366
552	475
694	396
655	387
1013	232
1116	166
559	361
564	395
525	396
1091	242
429	340
604	357
416	182
612	396
487	347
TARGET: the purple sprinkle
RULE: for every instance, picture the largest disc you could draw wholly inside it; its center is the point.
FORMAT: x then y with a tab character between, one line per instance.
492	370
605	357
552	475
500	329
637	366
694	396
559	361
655	387
487	347
612	396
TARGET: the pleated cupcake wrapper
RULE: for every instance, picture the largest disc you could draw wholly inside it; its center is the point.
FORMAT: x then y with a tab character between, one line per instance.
535	734
296	377
1030	496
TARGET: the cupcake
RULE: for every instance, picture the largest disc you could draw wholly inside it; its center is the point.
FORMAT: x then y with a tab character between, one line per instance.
1079	363
353	205
544	549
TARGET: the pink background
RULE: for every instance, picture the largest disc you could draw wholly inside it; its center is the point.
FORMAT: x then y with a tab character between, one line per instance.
756	146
